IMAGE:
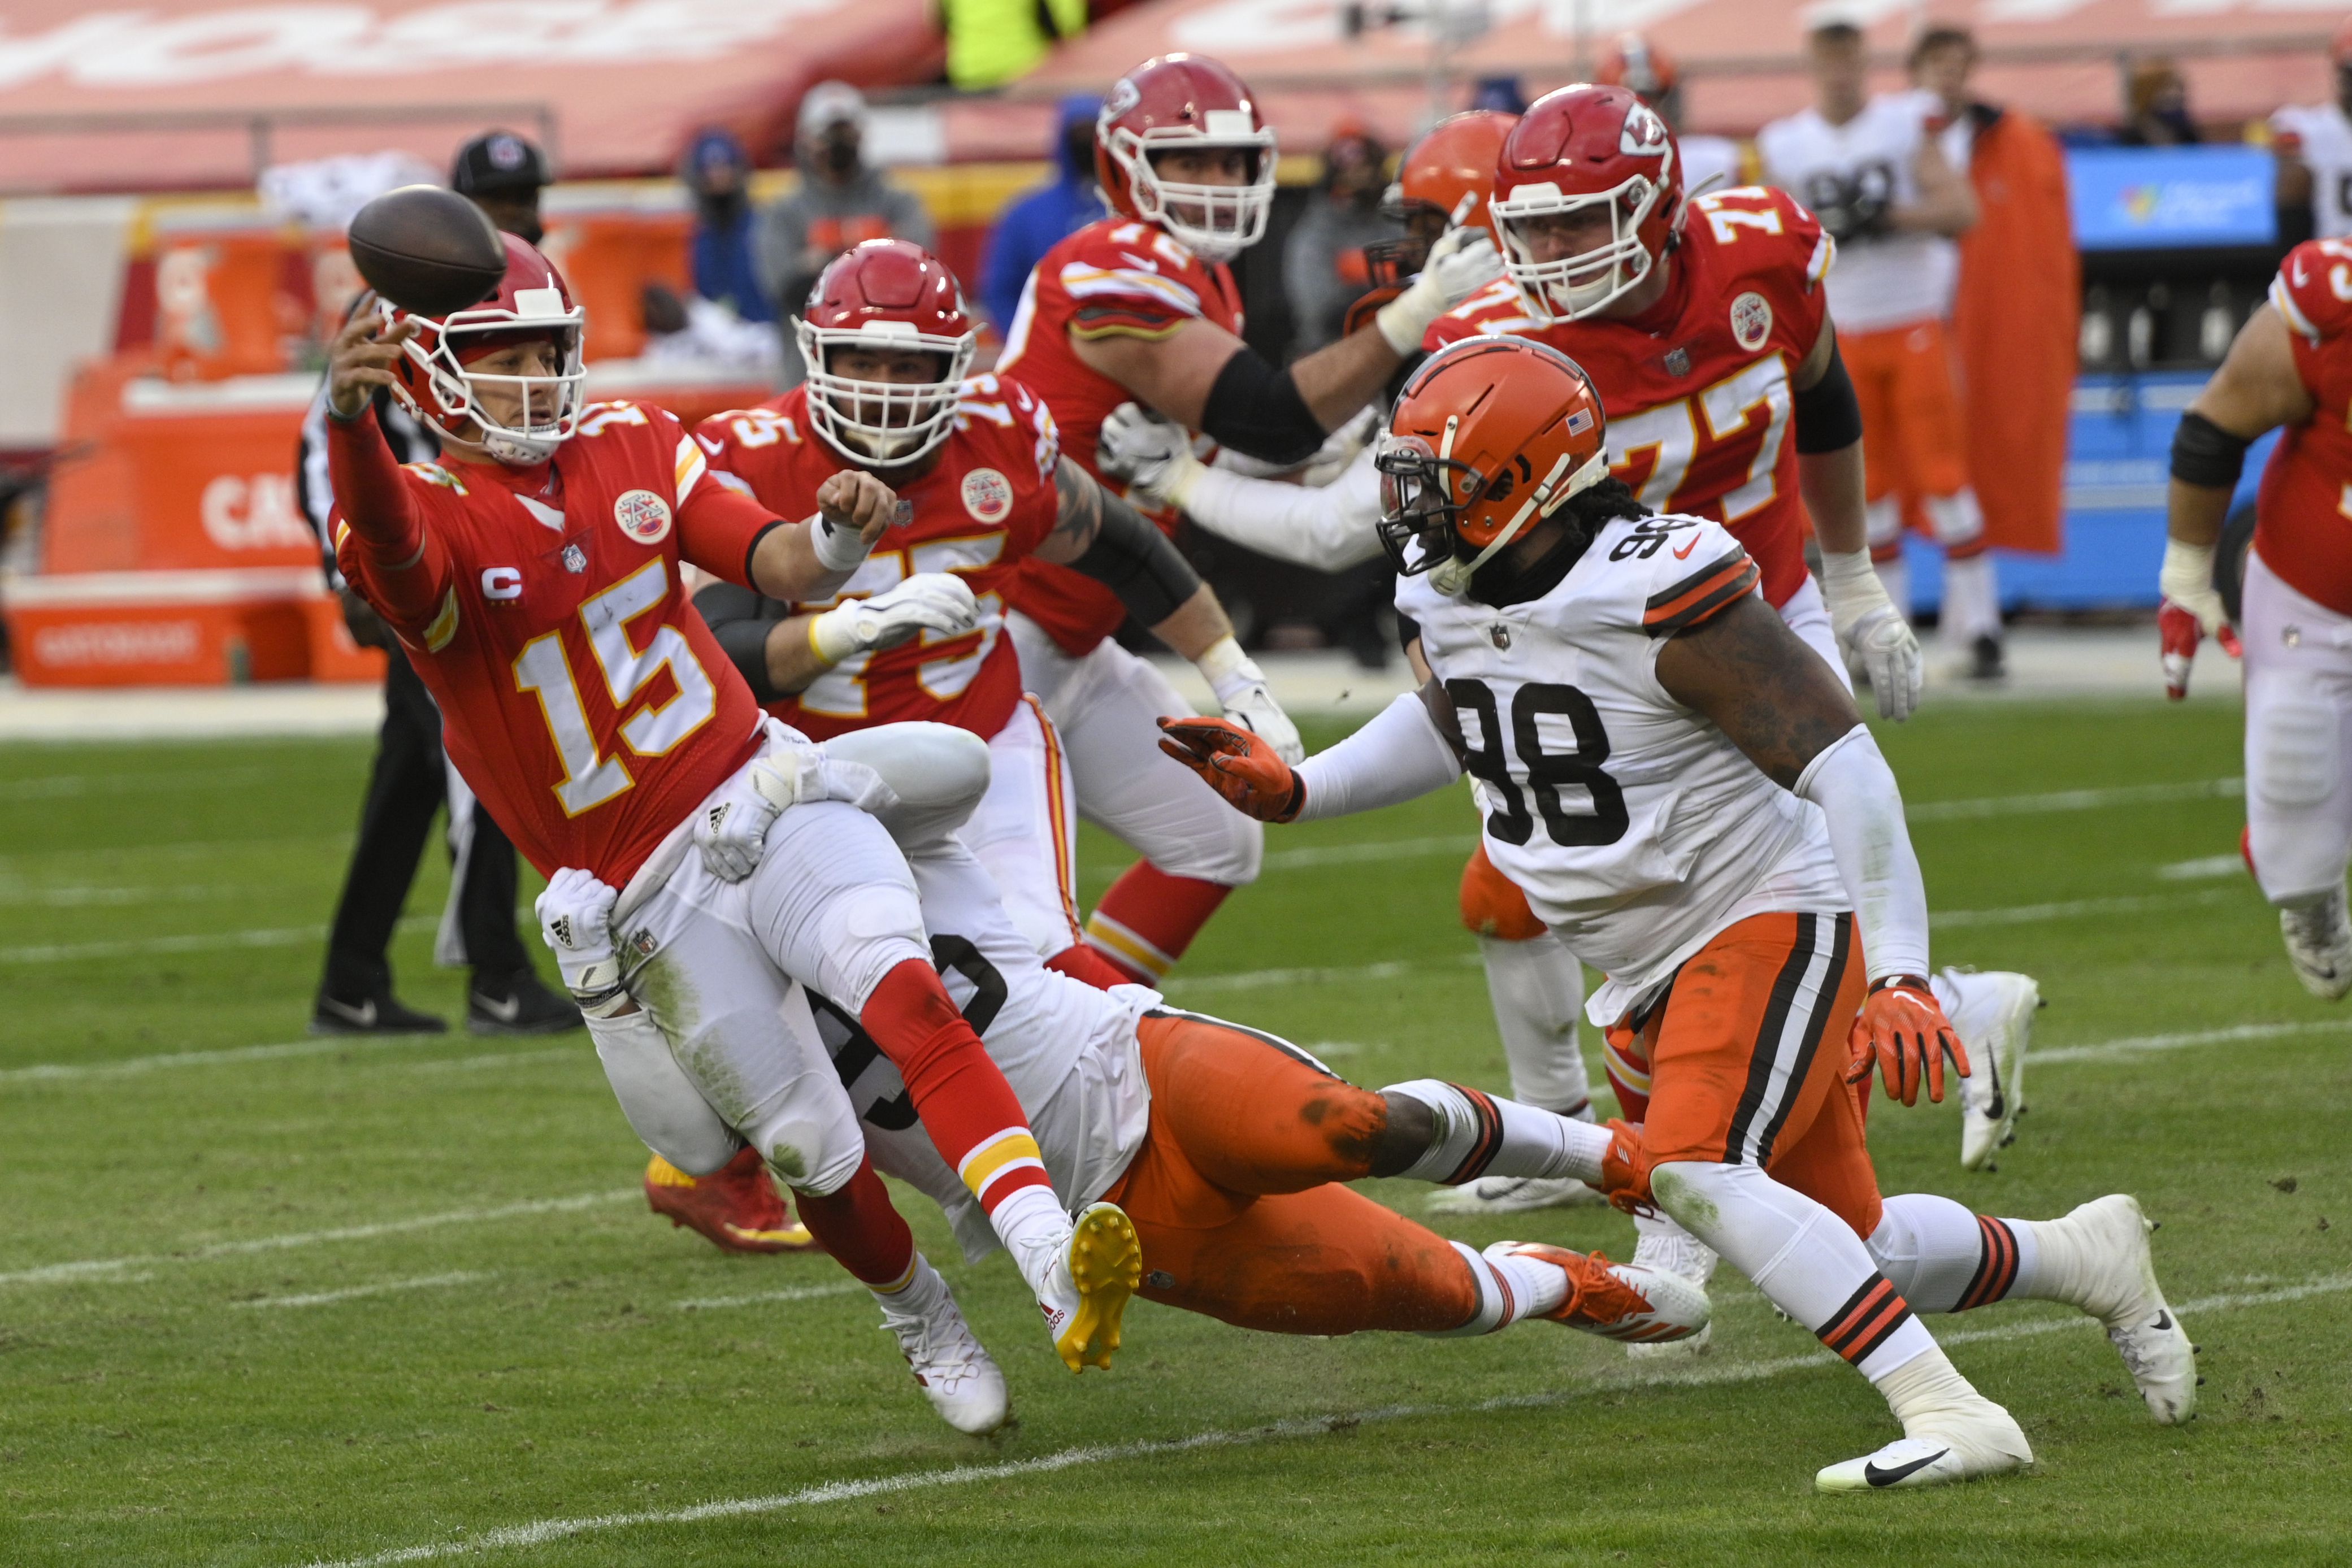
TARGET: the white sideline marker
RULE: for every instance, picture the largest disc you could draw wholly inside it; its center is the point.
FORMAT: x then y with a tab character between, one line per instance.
541	1532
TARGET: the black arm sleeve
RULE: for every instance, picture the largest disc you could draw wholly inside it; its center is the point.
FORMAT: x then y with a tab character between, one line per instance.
1256	409
740	620
1829	416
1139	563
2206	454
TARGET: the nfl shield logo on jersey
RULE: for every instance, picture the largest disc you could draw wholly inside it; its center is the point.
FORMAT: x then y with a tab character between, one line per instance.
642	516
576	560
1751	320
1677	362
987	495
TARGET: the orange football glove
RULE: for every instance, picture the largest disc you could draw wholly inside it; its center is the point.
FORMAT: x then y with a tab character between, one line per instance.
1902	1031
1624	1181
1237	764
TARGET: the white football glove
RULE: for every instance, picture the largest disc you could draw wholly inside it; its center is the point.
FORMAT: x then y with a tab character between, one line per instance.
1339	448
1461	262
1873	632
1151	451
575	917
733	830
928	601
1243	693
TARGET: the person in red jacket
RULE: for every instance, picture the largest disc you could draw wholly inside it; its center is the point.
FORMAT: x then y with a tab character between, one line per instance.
534	577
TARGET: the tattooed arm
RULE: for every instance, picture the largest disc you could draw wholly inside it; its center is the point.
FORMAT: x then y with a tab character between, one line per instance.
1782	704
1101	535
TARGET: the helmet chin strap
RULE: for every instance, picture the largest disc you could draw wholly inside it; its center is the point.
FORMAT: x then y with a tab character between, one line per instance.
1452	578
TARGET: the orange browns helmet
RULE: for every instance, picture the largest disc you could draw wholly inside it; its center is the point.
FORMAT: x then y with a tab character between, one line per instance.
1642	68
1578	148
885	294
1490	436
1454	162
1185	100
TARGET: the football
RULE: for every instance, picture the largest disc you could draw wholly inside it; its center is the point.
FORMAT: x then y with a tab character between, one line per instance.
427	250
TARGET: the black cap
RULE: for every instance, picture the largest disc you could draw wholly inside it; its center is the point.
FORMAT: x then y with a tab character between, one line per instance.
497	163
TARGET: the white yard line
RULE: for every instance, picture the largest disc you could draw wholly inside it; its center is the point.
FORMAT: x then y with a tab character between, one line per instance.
2142	1044
543	1531
2073	801
327	1298
108	1268
131	1066
2076	909
1355	855
193	942
796	1294
2204	868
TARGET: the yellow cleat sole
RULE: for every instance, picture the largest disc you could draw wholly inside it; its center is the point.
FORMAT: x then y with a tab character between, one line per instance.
1107	1265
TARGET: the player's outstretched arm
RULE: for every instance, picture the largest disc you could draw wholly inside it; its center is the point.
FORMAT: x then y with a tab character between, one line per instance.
1328	527
2256	390
1411	747
780	656
1096	533
1746	671
807	562
400	567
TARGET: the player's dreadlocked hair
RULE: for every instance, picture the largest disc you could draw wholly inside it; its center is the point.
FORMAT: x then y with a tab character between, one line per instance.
1499	582
1594	510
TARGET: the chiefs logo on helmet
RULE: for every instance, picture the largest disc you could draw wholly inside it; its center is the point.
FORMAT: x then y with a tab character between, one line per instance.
1583	156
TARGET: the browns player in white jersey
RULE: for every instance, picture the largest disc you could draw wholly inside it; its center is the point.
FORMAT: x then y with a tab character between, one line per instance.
535	580
979	469
2313	142
1706	327
1689	798
2290	366
1142	305
1875	174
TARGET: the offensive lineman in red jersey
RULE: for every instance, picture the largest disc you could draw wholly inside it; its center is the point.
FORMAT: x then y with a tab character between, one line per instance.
978	466
2292	366
1142	305
535	581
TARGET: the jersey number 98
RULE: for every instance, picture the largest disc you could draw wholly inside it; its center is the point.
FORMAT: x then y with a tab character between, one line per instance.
1548	772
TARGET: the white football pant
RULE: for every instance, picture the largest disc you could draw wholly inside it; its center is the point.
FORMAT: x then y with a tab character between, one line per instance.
1107	707
1023	830
2298	656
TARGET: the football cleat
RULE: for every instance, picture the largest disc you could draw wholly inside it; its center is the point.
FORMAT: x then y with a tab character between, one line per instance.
737	1207
1667	1248
1993	1015
522	1004
1087	1294
2318	938
1974	1437
1512	1194
385	1014
951	1365
2109	1272
1617	1301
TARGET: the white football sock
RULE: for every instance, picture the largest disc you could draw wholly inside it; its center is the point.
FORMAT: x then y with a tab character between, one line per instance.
1509	1288
1537	990
1035	1229
1924	1386
1479	1135
1972	600
1801	1255
1930	1248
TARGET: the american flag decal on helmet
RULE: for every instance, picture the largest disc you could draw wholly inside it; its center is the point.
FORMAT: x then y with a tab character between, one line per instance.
1579	422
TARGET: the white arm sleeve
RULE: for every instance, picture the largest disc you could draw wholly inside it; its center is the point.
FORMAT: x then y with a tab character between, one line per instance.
1397	756
1851	784
1328	529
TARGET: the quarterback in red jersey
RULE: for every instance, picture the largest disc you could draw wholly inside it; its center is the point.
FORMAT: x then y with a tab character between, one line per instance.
2290	366
917	630
1142	305
535	581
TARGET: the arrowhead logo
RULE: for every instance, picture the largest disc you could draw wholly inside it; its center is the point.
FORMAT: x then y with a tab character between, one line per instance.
1895	1475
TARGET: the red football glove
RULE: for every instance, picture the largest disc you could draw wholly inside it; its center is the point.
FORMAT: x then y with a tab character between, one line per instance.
1903	1033
1237	764
2180	632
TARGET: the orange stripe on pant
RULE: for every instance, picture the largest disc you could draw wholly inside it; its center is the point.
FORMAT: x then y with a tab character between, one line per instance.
1767	989
1058	811
1235	1196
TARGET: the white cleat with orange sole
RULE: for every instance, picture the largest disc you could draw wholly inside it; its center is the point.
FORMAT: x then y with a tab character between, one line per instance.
1617	1301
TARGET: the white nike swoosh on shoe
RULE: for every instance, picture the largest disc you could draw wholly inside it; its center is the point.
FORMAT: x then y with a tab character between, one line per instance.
504	1011
362	1016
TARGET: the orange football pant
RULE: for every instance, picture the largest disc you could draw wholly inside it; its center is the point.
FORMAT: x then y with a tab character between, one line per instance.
1234	1193
1745	1061
1493	904
1914	441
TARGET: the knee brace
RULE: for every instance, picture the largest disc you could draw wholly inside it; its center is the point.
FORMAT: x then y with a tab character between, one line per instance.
1493	906
664	1109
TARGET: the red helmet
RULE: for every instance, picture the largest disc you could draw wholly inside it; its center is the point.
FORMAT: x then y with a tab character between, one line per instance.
1453	163
1185	101
436	382
1579	148
1642	68
889	296
1490	436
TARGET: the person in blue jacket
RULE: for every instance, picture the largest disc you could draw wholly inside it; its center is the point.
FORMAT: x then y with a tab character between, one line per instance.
1031	226
717	172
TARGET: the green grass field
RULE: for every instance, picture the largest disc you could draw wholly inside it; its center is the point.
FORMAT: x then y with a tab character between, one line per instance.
269	1301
